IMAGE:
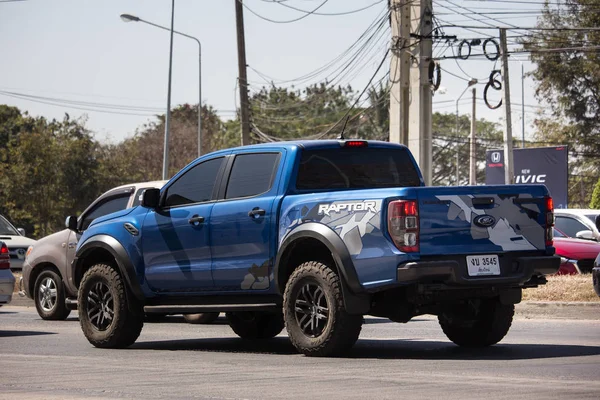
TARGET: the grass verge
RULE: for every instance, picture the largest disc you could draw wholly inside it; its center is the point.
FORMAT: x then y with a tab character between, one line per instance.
564	288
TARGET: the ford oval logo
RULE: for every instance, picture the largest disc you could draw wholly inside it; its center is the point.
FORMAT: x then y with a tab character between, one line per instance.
484	221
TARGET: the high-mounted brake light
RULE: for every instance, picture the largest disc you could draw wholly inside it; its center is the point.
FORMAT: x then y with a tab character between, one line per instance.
403	225
549	220
4	257
355	143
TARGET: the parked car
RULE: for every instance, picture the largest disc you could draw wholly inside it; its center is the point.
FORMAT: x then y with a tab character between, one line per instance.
16	242
45	271
578	223
596	275
577	255
7	279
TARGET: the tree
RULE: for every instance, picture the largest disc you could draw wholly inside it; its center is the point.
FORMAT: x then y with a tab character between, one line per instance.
51	173
568	79
595	203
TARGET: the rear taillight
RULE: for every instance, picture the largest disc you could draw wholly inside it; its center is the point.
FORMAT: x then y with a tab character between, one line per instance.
549	220
4	257
403	225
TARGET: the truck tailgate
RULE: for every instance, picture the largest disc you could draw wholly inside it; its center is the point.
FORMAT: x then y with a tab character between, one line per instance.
481	219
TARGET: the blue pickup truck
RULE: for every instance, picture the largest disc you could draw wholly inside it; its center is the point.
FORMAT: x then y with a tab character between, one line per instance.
312	236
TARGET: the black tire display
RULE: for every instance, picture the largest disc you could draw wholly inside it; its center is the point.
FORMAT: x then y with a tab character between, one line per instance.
49	296
201	318
255	324
313	309
106	318
477	323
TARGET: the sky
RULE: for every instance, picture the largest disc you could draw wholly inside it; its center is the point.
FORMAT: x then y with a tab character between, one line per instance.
81	52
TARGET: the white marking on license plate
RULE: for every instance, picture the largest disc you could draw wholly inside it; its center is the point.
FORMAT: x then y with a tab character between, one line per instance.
483	265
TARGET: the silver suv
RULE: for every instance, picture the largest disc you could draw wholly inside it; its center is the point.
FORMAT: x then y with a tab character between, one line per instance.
45	277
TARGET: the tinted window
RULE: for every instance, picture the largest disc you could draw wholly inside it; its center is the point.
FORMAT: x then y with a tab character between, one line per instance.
106	207
196	185
361	168
251	174
6	228
569	226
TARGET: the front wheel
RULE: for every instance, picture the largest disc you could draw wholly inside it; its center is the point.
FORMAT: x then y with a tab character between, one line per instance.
49	296
314	312
477	322
106	317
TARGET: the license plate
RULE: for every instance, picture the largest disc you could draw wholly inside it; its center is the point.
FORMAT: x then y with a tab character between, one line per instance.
483	265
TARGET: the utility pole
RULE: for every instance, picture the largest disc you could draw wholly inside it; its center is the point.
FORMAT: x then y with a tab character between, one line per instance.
472	157
400	71
509	173
420	108
522	106
242	77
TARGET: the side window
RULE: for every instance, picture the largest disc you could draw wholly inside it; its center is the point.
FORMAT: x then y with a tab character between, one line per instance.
106	207
196	185
570	226
251	174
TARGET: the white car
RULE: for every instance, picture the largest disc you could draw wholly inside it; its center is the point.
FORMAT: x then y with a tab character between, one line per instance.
578	223
16	242
7	280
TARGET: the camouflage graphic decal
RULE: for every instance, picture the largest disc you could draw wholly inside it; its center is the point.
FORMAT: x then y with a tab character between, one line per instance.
352	220
522	232
257	277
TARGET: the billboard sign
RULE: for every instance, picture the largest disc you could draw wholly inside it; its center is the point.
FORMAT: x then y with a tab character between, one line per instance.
545	165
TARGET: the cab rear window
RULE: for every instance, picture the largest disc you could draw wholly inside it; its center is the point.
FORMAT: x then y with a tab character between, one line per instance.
360	168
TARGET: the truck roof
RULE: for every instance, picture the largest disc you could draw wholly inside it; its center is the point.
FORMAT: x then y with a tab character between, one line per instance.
318	144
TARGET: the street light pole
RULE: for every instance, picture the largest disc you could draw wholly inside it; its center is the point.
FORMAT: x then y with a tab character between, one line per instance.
133	18
165	173
471	83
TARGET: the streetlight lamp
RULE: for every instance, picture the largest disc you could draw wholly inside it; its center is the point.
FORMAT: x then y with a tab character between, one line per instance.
133	18
469	84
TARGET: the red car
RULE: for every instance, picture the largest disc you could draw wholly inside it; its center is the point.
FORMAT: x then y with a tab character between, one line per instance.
577	255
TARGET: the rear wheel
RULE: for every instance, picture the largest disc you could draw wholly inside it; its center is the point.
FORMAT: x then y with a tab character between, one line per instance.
201	318
106	316
477	323
314	312
255	324
49	296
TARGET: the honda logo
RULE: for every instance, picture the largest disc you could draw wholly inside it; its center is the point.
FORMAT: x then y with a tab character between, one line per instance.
496	156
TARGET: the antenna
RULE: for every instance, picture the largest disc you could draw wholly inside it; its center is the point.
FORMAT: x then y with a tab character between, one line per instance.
341	137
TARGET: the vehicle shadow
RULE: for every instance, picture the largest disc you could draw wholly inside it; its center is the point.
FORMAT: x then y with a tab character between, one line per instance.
381	349
23	333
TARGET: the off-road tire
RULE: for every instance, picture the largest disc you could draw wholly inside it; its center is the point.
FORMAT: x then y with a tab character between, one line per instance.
477	326
201	318
127	319
255	324
341	329
50	302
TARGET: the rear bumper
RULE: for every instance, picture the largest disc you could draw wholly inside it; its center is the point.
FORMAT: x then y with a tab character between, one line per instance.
453	271
7	286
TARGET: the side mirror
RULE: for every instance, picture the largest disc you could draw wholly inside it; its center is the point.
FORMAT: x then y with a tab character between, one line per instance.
71	223
21	231
150	198
598	221
587	235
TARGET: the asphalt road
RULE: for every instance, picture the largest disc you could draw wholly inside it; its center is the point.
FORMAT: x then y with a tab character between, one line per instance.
540	358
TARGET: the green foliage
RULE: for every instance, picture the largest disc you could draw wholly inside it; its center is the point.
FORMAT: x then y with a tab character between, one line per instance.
569	81
595	203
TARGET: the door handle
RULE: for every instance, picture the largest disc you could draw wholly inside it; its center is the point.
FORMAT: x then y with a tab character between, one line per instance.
196	220
256	212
